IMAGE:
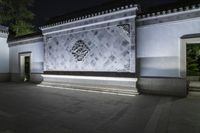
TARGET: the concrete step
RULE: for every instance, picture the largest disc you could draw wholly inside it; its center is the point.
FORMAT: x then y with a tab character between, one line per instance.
194	84
194	89
87	87
194	93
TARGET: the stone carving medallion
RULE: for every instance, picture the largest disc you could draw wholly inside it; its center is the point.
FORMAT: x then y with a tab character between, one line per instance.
80	50
125	27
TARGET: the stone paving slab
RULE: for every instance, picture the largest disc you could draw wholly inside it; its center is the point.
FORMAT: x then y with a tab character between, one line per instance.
27	108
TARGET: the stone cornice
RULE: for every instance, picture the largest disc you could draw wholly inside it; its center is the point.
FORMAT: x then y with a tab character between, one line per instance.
190	36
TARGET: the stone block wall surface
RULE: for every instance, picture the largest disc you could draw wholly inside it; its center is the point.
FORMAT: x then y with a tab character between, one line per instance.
106	49
105	43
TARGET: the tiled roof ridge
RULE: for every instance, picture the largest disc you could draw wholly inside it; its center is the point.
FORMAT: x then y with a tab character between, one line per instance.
170	11
28	36
3	29
91	15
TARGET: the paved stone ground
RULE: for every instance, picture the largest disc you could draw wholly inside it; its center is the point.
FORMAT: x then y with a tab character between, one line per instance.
26	108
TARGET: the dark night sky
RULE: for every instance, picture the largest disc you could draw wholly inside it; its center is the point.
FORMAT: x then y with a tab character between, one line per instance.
45	9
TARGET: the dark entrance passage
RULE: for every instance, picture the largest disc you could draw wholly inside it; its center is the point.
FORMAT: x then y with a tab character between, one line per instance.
27	68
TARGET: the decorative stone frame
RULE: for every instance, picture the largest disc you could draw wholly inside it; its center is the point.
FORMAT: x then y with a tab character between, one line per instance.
23	54
183	55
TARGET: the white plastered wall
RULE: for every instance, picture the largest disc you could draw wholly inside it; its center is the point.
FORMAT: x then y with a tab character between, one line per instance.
159	47
37	57
4	55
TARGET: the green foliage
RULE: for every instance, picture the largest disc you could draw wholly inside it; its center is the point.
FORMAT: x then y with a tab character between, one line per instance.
16	15
193	60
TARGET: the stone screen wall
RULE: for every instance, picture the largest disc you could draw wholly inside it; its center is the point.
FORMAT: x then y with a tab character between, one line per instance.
107	49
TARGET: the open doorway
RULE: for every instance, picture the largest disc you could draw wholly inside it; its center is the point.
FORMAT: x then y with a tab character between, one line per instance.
193	61
190	61
193	66
25	66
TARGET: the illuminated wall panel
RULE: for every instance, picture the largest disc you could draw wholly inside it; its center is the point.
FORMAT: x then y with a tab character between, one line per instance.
107	49
102	43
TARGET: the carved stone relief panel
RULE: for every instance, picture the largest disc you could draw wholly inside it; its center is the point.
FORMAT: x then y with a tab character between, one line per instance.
103	50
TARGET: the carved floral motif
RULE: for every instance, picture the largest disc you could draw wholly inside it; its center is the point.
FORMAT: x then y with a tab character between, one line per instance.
80	50
125	27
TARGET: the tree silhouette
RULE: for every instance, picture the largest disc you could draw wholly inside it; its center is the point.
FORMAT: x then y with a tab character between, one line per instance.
17	16
193	59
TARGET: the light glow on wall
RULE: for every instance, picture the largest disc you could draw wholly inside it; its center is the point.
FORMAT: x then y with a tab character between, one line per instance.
90	78
82	90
